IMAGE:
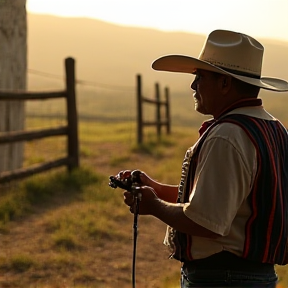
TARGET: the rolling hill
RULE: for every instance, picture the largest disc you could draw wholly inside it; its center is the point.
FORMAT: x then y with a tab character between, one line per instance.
113	55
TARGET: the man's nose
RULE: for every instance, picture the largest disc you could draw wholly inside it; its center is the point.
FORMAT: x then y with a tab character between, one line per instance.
193	85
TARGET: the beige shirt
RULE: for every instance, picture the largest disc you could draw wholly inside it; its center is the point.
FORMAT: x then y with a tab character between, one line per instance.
223	180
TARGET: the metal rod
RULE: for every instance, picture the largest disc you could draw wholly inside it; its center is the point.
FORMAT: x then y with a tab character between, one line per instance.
135	228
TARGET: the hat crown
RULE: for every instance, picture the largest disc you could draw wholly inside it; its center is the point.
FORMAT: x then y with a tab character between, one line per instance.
233	51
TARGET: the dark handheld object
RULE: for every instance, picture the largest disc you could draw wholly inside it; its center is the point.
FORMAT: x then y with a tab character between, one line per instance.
128	183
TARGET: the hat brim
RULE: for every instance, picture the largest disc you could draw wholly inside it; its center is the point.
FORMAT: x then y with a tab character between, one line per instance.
187	64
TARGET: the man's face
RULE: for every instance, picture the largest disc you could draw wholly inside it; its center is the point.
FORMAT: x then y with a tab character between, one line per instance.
205	95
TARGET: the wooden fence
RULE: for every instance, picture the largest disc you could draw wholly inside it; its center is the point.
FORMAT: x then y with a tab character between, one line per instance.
159	122
70	130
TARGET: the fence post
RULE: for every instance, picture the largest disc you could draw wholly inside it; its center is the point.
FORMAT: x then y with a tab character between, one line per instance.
73	146
139	110
158	110
168	118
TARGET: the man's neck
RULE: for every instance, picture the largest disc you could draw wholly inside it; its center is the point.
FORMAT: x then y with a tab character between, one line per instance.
238	104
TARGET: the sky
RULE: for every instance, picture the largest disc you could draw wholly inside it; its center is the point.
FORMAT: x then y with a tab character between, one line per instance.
257	18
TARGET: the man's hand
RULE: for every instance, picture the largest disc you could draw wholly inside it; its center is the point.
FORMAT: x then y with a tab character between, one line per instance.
148	199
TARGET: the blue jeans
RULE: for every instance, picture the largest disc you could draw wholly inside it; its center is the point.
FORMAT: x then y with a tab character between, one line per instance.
227	278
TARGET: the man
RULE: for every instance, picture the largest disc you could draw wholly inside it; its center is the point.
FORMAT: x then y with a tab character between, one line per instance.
228	218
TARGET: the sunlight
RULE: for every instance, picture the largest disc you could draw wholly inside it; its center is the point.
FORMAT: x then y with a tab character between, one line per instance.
257	18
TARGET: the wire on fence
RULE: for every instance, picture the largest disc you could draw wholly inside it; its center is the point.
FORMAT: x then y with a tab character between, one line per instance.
83	82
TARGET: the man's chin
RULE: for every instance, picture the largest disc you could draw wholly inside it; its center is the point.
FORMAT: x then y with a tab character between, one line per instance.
199	109
202	111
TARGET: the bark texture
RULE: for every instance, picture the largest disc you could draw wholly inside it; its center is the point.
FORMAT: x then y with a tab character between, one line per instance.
13	67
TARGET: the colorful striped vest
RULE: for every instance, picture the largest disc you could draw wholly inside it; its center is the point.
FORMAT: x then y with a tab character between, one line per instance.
266	229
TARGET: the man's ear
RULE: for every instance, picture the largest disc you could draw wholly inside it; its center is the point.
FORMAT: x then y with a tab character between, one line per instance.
225	83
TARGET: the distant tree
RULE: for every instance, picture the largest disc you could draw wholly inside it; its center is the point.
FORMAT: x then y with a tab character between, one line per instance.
13	66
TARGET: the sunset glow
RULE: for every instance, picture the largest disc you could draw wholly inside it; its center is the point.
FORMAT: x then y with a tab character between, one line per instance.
258	18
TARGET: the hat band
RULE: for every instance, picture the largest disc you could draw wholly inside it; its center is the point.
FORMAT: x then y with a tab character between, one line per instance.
240	73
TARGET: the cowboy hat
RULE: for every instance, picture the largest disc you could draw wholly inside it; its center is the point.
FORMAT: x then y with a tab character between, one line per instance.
226	52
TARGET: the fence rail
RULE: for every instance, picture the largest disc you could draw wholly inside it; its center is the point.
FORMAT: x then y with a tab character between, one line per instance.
71	130
31	95
32	135
159	122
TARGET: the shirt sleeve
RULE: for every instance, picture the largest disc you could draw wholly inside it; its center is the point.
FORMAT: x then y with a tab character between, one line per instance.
223	178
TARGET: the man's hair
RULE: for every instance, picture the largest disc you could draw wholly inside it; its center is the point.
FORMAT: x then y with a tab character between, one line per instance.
248	90
245	88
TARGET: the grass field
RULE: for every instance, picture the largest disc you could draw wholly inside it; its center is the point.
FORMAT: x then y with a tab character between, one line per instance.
61	230
72	230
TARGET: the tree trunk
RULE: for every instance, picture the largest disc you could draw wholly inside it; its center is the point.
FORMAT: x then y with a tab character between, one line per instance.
13	66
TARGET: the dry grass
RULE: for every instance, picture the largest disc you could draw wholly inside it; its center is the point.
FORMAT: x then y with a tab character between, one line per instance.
61	230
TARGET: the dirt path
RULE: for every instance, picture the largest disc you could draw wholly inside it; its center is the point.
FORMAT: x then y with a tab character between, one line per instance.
106	265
